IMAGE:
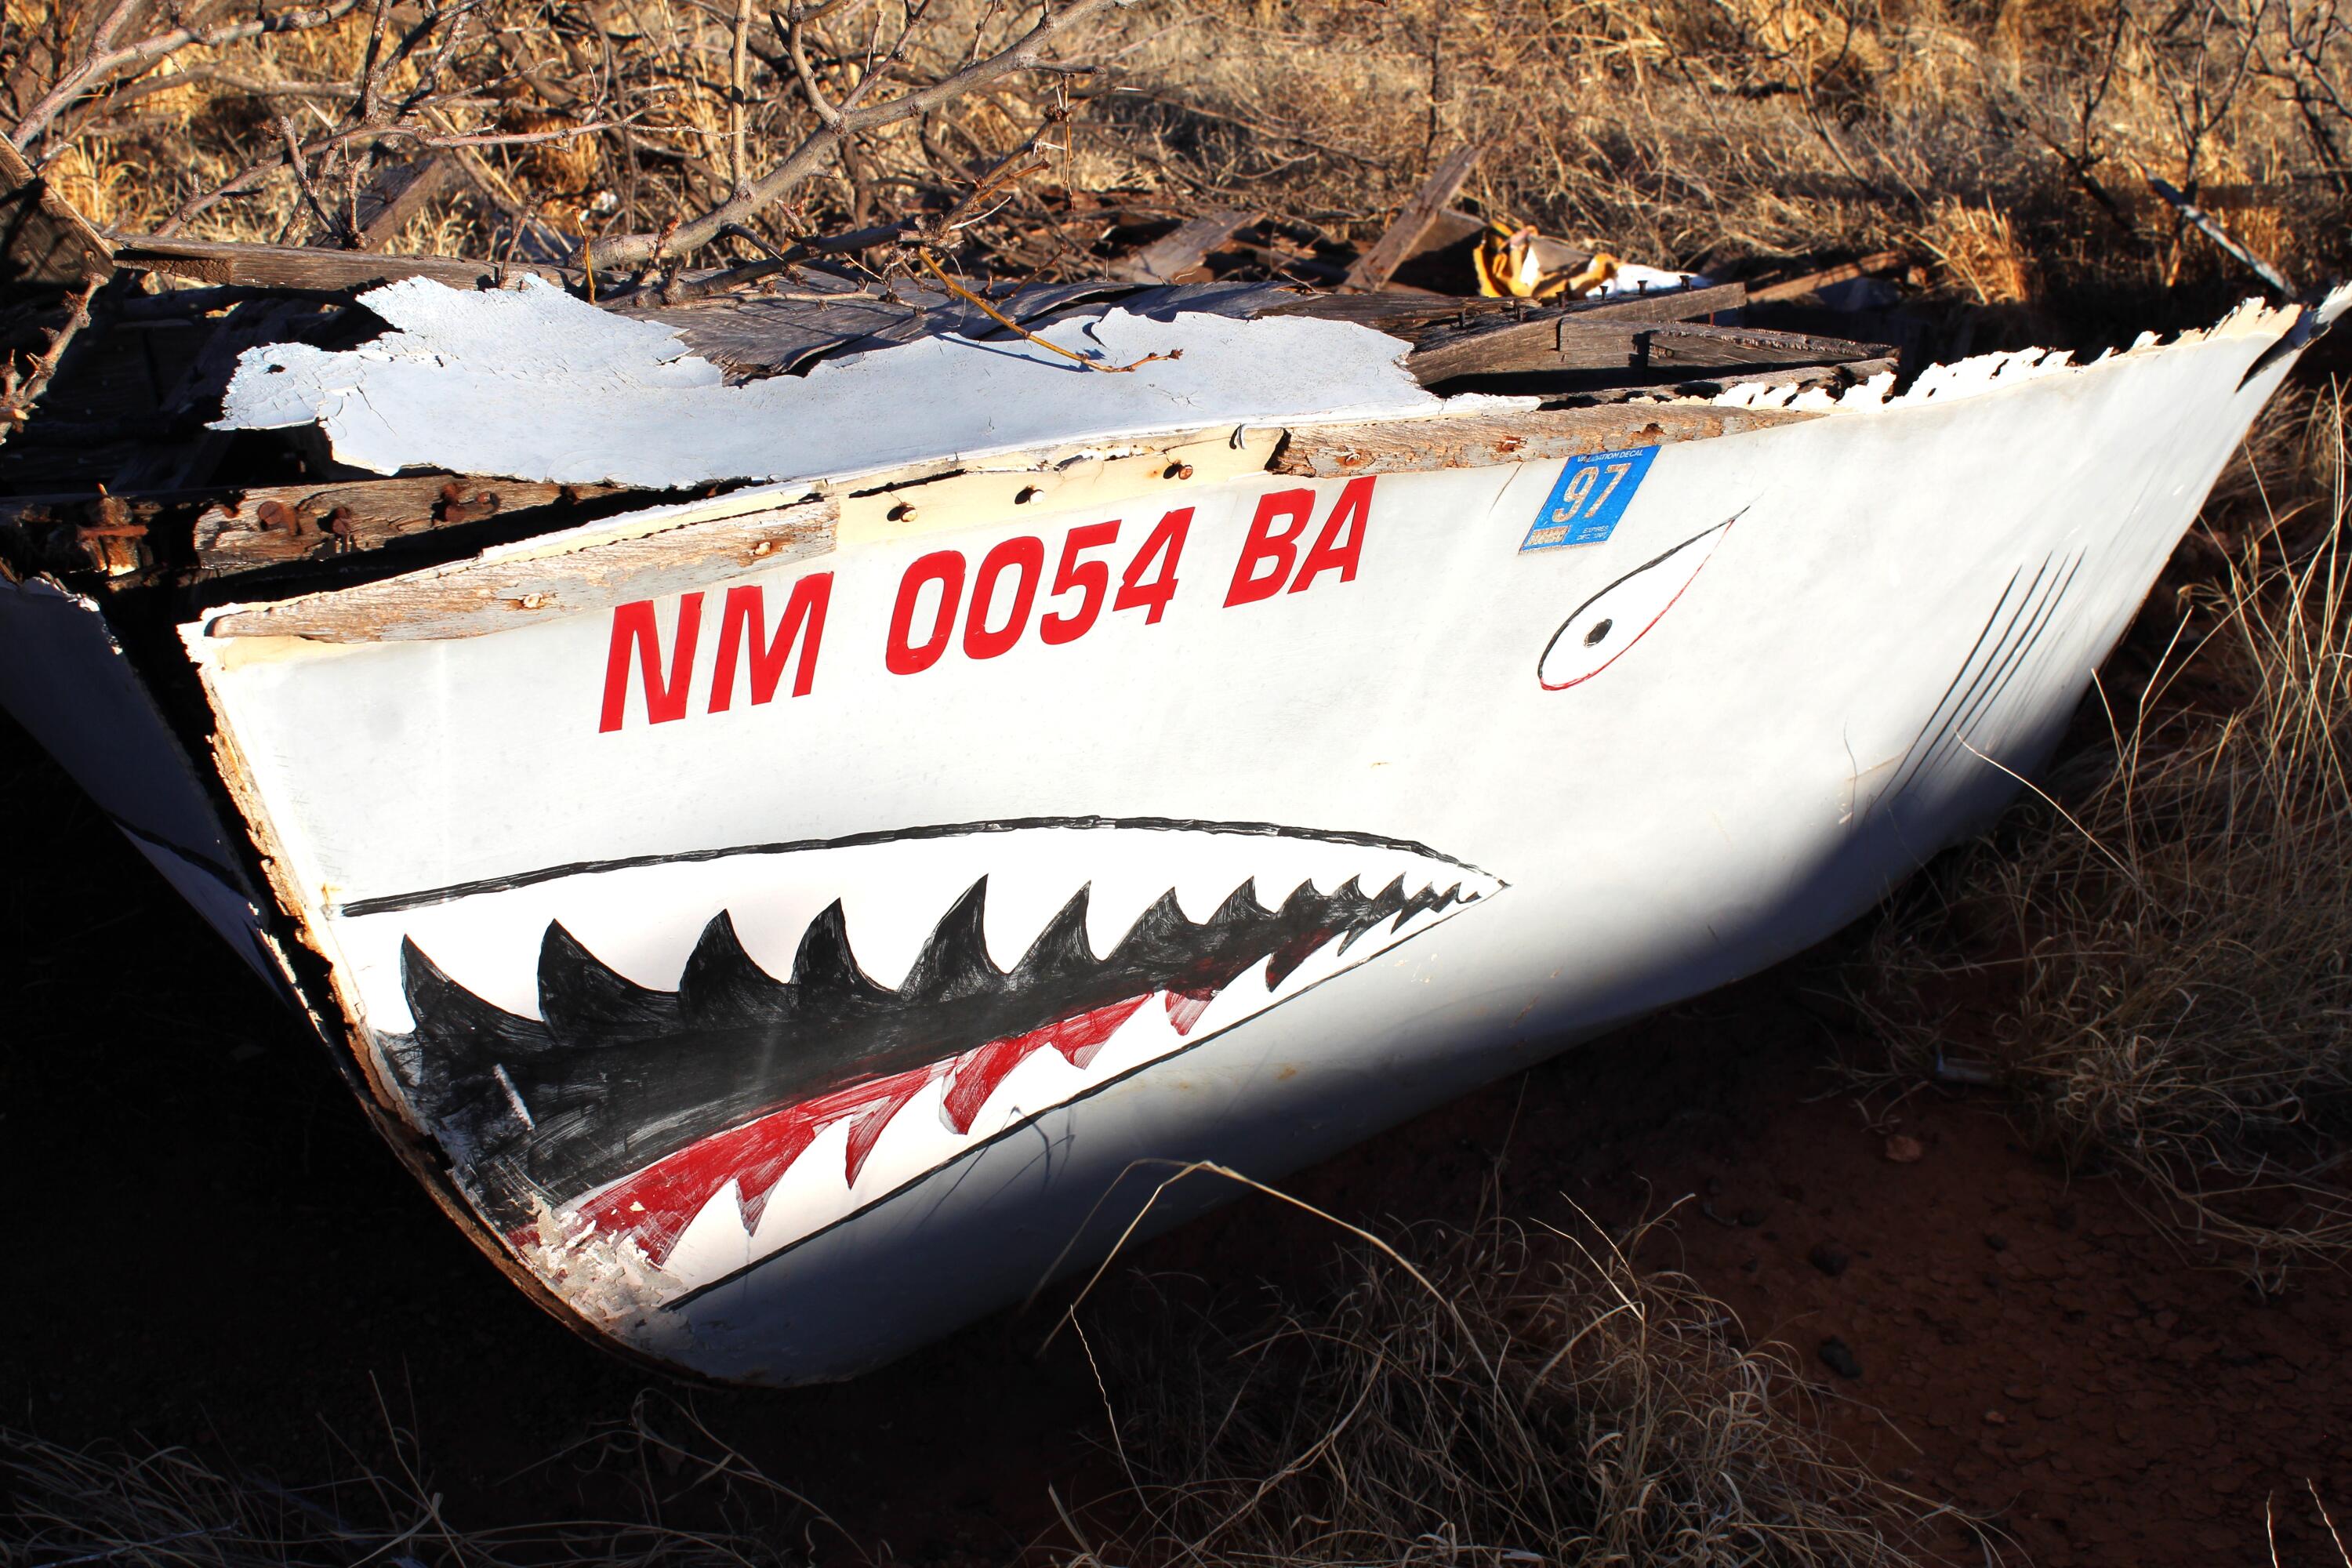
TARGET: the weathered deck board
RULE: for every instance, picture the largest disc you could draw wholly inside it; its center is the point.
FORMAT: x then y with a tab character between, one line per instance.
473	597
1407	313
771	334
1165	259
299	267
1332	451
1402	235
42	238
276	524
1567	341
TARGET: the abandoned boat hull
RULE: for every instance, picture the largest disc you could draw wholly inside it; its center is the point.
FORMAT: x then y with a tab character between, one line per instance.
787	964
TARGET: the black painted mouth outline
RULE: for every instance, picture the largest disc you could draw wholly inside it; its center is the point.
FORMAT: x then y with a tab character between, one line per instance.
524	1106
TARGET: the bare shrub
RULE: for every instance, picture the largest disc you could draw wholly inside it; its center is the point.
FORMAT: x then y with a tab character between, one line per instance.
2159	950
1696	133
1479	1397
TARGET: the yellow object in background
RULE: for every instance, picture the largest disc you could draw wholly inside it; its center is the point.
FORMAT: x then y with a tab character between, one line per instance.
1518	263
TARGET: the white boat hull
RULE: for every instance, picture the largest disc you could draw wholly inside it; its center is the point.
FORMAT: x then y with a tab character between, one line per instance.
1592	779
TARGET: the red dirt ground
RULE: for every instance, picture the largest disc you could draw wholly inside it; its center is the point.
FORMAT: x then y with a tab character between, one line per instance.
212	1251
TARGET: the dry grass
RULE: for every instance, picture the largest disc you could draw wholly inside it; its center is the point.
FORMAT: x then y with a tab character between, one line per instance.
1696	132
172	1507
2159	953
1470	1400
1487	1397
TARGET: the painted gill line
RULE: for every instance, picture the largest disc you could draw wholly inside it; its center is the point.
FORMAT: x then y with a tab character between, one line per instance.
1956	734
1968	662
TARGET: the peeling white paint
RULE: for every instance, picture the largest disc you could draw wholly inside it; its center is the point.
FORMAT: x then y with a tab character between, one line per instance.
606	1279
533	384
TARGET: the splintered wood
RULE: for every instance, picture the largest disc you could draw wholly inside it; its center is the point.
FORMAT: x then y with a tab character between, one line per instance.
275	524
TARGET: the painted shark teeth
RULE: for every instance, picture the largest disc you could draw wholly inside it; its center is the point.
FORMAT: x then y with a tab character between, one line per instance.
640	1105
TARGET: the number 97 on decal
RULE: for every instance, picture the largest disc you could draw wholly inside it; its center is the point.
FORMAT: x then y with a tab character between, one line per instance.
1588	496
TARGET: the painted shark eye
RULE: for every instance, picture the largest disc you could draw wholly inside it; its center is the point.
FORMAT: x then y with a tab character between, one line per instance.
1603	627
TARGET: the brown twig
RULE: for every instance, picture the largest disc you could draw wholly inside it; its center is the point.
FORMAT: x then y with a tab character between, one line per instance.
18	396
854	119
961	292
103	63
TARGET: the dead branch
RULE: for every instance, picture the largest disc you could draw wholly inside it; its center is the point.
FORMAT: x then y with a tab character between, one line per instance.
630	250
17	395
101	64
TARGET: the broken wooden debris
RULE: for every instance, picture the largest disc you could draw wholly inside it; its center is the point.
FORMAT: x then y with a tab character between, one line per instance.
301	267
398	193
1407	313
495	593
770	334
1168	258
80	533
1566	341
1405	234
276	524
1336	451
43	240
1806	283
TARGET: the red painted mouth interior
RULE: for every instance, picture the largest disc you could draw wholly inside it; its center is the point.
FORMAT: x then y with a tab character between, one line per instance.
654	1206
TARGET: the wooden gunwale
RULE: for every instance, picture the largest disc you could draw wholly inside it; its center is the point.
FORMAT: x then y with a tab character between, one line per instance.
678	549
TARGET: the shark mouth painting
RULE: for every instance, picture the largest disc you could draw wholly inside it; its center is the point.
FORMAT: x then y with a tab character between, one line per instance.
765	1097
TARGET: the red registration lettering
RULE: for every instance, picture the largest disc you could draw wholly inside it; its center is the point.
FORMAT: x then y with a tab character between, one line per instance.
1091	579
1341	543
636	639
1270	554
1022	555
1160	555
944	567
744	619
1266	547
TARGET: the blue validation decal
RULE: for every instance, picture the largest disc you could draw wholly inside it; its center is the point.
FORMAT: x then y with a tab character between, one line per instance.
1589	497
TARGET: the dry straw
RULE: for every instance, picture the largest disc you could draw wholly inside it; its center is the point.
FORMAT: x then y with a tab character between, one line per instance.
2159	949
1479	1398
1693	132
1498	1398
174	1508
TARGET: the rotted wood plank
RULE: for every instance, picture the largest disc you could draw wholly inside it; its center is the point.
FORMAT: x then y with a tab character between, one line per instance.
273	525
398	194
42	238
298	266
770	334
1666	305
1845	272
1675	343
1188	246
1407	313
680	549
1401	237
1565	341
1390	447
1394	312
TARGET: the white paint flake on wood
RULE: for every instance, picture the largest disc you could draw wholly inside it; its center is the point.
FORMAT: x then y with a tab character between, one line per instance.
533	384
